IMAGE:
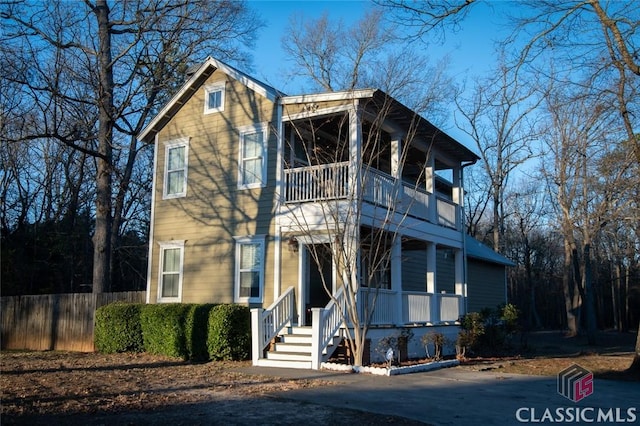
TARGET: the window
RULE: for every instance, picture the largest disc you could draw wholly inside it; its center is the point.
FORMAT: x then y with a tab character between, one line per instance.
249	269
175	168
170	275
252	165
214	98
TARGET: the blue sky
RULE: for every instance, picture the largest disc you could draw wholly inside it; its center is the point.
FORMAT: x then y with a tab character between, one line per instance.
470	50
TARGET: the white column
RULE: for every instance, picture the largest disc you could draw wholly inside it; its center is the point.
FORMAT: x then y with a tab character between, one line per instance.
457	194
396	278
461	285
431	268
396	155
302	279
430	186
431	283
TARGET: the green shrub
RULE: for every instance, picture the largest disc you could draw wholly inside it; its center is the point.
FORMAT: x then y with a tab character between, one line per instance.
196	331
117	328
489	332
229	333
163	329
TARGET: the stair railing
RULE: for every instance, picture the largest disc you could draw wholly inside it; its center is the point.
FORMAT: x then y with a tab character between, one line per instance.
325	323
267	323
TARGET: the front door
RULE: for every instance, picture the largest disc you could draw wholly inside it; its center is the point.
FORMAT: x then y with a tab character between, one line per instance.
318	274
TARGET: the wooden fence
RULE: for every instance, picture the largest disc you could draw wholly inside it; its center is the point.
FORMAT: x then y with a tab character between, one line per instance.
55	321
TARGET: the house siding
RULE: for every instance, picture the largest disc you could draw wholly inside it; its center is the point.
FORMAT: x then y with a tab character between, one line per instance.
414	270
214	210
445	270
486	285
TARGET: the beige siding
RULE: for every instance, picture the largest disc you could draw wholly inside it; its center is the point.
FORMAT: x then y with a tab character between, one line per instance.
214	209
486	285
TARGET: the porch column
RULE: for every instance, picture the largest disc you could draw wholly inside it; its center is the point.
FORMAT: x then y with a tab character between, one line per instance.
430	186
457	194
431	268
460	281
434	301
396	279
302	279
355	153
396	156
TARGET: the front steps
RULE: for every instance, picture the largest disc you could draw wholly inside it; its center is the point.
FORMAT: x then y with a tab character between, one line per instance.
293	349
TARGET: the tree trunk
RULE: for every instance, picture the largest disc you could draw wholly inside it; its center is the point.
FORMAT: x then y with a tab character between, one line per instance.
590	306
635	365
571	294
103	227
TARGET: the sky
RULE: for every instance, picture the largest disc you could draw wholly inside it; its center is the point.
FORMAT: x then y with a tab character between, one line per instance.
470	50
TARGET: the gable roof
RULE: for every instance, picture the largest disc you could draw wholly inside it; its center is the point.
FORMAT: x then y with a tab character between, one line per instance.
204	71
478	250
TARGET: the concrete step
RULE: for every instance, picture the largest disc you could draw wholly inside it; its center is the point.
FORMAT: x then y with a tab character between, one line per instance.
296	338
300	365
306	330
289	356
293	347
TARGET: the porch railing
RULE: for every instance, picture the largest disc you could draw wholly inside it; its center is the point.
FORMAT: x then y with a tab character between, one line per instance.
380	189
325	323
418	307
266	324
317	183
446	212
383	303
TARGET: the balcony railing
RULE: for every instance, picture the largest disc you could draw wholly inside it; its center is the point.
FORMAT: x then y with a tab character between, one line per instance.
417	307
331	182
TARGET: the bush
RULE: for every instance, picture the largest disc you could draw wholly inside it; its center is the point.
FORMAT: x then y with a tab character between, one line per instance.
196	328
229	333
489	331
117	328
163	329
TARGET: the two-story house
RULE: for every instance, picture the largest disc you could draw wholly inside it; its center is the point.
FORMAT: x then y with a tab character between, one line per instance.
256	194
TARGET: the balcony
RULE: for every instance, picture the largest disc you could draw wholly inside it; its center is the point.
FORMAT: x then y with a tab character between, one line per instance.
328	182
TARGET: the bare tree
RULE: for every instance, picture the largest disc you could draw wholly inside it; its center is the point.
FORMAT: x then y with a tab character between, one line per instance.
582	133
369	54
499	119
96	72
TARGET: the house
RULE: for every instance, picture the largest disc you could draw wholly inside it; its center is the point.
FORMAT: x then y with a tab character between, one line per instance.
254	190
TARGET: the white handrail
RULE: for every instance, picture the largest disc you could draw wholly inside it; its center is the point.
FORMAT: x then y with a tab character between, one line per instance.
332	318
276	316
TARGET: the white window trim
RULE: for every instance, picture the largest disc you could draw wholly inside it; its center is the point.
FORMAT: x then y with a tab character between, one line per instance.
170	245
210	88
247	130
183	142
251	239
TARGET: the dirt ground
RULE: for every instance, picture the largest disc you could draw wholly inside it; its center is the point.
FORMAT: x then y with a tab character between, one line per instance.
73	388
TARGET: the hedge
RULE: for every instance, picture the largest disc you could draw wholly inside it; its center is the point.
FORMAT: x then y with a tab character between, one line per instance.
197	332
117	328
229	333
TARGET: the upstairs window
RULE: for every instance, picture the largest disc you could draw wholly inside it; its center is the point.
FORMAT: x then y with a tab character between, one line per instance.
175	169
252	164
214	98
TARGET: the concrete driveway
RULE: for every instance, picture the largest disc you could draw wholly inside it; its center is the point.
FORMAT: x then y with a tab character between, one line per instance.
458	396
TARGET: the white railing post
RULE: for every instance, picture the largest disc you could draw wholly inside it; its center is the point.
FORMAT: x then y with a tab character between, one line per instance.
256	335
317	327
